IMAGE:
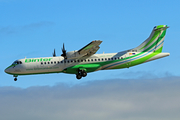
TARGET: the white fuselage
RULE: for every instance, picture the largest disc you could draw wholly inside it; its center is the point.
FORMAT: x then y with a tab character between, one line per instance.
58	64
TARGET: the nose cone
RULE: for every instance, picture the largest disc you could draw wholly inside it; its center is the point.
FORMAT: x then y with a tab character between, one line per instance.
7	70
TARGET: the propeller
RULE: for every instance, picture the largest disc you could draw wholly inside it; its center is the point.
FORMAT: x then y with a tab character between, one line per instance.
54	54
64	52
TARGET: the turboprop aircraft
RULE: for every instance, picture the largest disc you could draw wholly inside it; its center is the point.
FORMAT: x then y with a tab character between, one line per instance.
84	60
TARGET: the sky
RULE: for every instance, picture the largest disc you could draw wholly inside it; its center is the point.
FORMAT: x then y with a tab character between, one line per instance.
35	28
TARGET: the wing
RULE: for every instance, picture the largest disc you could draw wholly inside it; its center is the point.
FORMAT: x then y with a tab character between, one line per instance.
86	51
90	48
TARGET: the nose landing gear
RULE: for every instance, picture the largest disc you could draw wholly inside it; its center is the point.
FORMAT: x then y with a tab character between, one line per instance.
15	79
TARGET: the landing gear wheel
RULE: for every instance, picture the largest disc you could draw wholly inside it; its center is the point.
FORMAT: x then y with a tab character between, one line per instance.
15	79
78	76
84	74
81	73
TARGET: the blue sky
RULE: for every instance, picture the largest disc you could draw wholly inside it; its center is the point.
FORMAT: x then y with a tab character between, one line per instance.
33	28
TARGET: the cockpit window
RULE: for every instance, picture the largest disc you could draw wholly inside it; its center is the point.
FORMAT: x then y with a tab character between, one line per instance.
17	62
14	63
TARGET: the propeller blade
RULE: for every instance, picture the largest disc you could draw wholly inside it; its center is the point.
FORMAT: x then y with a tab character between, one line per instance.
54	54
63	47
64	52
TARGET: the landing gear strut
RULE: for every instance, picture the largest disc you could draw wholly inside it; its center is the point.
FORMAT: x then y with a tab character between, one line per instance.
81	73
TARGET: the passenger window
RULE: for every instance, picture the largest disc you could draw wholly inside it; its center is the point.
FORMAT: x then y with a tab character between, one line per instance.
98	59
121	57
109	58
54	62
77	60
74	60
41	63
84	60
94	59
102	59
91	59
44	62
115	58
61	61
64	61
48	62
58	62
81	60
68	61
88	60
71	60
105	58
51	62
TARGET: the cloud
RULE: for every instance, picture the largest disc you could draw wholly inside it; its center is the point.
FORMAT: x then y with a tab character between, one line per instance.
37	25
29	27
8	30
118	99
144	74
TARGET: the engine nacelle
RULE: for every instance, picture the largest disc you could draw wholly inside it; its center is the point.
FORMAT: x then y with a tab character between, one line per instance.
73	54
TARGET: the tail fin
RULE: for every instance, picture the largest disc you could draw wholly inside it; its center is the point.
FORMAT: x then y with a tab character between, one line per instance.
155	41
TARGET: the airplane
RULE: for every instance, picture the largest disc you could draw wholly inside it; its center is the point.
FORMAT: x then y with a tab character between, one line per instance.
83	61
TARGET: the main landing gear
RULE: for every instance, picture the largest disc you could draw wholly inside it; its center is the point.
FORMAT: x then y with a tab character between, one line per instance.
81	73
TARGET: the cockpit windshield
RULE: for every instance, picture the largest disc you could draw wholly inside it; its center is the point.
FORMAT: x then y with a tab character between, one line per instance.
16	62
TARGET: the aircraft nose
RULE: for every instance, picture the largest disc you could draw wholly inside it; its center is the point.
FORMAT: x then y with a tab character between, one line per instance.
7	70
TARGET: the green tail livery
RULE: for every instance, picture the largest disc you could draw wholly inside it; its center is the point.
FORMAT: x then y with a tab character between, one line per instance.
83	61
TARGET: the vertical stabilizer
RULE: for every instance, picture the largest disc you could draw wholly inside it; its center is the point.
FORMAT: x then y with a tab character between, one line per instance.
155	41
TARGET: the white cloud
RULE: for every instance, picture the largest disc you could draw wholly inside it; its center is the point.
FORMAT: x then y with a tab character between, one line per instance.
119	99
29	27
37	25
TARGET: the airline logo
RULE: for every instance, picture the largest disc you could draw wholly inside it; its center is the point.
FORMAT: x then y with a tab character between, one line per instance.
37	60
132	53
